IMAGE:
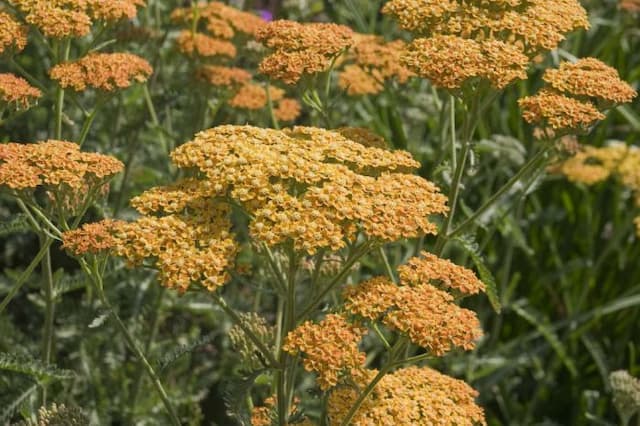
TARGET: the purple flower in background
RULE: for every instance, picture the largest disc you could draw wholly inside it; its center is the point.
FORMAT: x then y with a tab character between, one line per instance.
266	14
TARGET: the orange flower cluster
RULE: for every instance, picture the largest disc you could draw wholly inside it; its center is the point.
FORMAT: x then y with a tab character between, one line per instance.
408	397
287	109
72	18
221	76
198	44
102	71
372	62
574	93
301	49
330	348
54	165
266	415
341	187
92	238
451	61
220	20
16	92
12	34
466	41
531	25
253	96
427	314
630	5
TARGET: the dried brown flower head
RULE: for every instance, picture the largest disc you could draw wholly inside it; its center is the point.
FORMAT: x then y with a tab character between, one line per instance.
590	78
221	76
16	92
53	164
559	112
301	49
363	136
330	348
102	71
408	397
203	45
287	109
56	18
451	61
13	35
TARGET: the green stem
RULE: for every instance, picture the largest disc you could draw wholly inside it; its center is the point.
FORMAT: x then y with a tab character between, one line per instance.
272	113
86	126
50	309
25	275
528	167
285	378
154	117
60	95
387	265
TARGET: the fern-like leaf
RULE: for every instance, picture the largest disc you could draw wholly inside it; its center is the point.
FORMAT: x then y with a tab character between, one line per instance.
23	364
18	223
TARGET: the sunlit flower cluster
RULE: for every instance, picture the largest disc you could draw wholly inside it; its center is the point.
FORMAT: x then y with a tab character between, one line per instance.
408	397
461	42
16	92
330	348
102	71
574	95
73	18
370	63
13	35
53	164
417	307
301	49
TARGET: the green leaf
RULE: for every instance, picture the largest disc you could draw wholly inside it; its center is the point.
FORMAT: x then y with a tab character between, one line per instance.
485	274
10	409
23	364
18	223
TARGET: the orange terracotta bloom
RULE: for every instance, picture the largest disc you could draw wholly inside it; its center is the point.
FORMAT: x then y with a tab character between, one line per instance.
13	35
630	5
221	76
253	96
330	348
590	78
16	92
559	112
408	397
114	10
56	18
91	238
301	49
287	109
215	14
53	164
102	71
451	61
203	45
356	81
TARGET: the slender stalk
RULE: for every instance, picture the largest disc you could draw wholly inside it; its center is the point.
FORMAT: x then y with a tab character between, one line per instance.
387	265
452	123
272	113
25	275
60	95
528	167
86	126
154	117
50	309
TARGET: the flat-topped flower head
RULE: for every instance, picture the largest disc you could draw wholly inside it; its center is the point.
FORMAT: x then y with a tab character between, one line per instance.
56	18
558	112
329	348
114	10
531	25
253	96
287	110
221	20
341	187
590	78
407	397
221	76
451	62
53	163
198	44
102	71
16	93
301	49
13	35
371	63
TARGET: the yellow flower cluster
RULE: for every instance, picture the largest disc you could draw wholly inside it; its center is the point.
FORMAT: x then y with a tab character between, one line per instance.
53	164
301	49
16	92
12	34
408	397
531	25
574	94
463	41
102	71
220	20
72	18
198	44
372	62
330	348
451	61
